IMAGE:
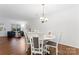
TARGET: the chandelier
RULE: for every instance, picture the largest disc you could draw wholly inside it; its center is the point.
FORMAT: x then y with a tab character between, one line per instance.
43	19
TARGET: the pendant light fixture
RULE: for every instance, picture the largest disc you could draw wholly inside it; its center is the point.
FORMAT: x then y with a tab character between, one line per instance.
43	19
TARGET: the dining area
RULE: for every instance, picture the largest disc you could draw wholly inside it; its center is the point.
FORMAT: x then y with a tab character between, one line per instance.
40	43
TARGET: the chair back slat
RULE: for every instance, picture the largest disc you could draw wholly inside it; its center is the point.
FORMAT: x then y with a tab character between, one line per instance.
35	42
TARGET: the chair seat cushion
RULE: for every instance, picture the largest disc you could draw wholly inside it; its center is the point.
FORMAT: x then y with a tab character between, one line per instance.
51	43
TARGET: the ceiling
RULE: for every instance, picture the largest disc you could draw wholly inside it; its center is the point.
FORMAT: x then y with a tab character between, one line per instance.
30	11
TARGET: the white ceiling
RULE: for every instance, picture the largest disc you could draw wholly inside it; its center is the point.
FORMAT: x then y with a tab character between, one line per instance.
30	11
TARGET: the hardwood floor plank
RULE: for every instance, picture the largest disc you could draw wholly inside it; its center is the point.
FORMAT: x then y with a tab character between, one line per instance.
12	46
16	46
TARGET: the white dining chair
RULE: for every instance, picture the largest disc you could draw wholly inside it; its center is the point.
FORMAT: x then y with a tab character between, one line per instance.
36	41
36	46
27	40
53	42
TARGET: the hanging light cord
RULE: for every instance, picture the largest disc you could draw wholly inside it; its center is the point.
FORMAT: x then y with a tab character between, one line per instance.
43	19
43	9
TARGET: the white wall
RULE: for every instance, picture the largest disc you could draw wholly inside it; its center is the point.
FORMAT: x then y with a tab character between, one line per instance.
7	24
65	21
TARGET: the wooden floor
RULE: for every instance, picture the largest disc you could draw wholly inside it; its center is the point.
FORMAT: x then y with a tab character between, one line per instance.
64	50
16	46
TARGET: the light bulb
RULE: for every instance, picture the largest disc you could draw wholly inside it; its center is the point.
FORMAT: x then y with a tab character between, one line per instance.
41	18
46	19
